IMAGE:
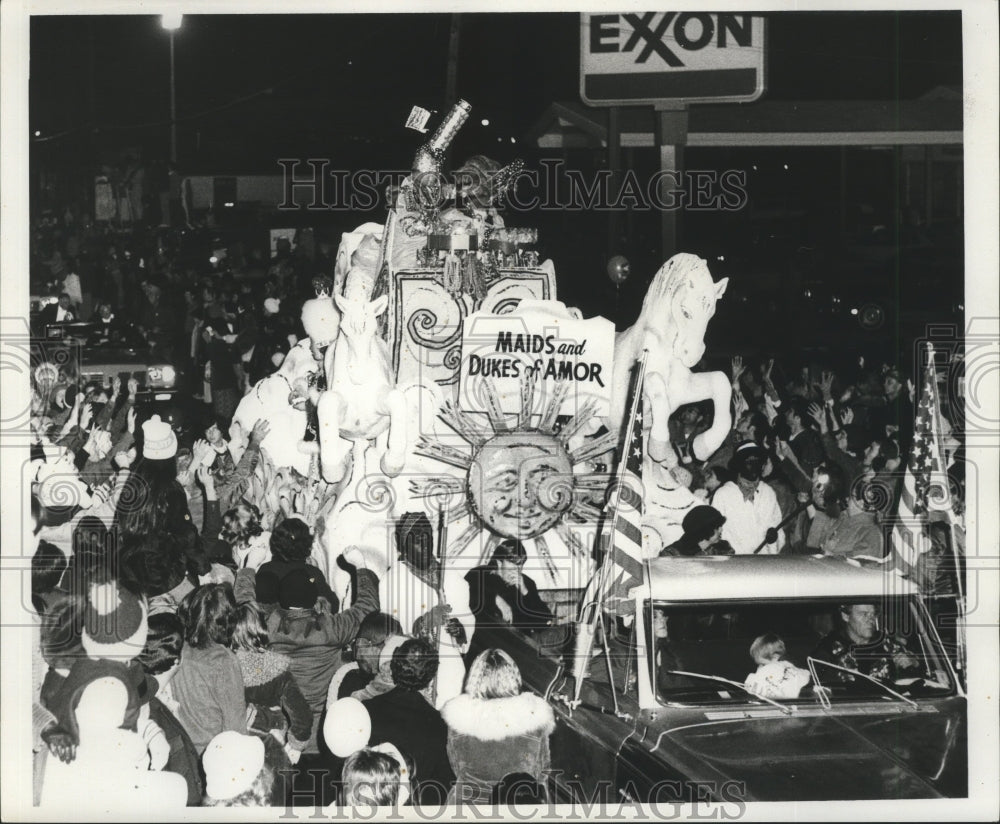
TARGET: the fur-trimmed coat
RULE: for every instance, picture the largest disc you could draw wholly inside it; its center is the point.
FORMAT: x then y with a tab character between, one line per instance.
491	738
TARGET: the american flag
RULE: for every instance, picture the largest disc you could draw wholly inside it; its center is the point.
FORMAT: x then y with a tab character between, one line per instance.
925	482
622	569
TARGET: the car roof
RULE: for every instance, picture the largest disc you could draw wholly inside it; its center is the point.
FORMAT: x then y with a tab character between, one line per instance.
739	577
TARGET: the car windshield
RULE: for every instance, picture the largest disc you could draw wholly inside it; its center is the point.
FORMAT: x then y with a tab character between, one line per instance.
780	649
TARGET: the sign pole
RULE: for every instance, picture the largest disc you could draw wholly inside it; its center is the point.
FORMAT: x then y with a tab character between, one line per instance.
672	132
614	166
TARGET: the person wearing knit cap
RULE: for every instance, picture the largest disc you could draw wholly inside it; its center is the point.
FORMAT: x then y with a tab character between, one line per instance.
113	635
312	637
159	441
702	534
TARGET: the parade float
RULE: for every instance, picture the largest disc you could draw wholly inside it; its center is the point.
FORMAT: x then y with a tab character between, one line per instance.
445	377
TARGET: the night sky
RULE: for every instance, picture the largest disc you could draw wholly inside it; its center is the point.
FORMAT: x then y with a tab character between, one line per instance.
251	88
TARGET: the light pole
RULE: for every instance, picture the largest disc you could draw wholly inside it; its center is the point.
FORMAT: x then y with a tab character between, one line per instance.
171	21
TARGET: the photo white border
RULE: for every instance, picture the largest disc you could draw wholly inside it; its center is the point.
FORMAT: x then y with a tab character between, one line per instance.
982	184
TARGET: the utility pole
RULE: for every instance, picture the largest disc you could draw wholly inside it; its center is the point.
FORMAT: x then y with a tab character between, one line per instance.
451	81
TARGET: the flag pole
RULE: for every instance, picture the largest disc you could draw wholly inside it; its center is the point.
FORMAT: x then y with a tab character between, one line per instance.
939	445
595	599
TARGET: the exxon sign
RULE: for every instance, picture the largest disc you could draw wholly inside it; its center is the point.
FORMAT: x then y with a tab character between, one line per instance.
660	57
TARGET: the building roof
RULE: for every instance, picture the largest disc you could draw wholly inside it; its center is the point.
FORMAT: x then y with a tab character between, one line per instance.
740	577
935	118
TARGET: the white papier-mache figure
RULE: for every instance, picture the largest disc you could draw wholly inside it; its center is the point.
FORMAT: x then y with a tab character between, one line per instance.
368	234
281	398
675	314
361	401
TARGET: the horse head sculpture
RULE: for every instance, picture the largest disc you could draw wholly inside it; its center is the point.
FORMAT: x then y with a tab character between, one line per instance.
678	306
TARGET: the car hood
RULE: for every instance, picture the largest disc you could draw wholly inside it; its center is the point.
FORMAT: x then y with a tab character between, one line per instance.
858	752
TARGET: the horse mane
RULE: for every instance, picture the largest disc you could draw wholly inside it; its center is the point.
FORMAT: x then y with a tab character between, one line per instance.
667	283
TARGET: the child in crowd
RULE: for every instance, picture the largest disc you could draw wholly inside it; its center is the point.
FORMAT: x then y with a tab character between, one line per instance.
241	529
372	777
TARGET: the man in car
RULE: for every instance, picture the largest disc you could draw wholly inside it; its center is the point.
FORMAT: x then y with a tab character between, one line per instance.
61	312
858	644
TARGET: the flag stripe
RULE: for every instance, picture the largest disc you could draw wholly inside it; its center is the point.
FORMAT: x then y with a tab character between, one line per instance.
625	558
629	530
924	478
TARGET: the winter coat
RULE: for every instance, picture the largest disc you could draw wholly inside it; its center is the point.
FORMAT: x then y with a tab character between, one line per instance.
405	719
183	758
208	687
60	695
268	683
492	738
314	641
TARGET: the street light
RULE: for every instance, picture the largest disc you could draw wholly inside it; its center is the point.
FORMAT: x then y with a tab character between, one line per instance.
171	21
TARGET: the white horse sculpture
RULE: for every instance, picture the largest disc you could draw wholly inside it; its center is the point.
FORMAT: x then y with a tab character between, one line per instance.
362	401
277	399
675	314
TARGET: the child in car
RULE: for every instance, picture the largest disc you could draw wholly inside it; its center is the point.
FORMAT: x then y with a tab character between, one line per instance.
776	677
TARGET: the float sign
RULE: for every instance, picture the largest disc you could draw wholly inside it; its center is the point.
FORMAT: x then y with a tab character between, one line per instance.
655	57
539	340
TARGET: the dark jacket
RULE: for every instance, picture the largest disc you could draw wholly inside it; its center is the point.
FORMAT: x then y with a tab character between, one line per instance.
528	610
314	641
405	718
268	683
686	546
491	738
183	758
279	569
60	695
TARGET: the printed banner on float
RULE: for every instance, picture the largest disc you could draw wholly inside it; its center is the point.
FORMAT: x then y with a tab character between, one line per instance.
536	356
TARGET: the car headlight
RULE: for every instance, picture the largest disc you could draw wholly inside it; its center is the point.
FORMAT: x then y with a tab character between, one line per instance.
154	373
168	375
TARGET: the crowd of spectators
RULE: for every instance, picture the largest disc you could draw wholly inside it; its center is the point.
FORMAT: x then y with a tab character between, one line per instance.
178	606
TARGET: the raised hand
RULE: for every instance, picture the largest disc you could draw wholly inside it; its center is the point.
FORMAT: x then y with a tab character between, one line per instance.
846	415
116	386
766	368
737	367
133	387
86	415
207	481
826	385
818	414
199	451
260	431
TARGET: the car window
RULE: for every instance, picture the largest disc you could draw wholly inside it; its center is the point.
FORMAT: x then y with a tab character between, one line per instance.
768	646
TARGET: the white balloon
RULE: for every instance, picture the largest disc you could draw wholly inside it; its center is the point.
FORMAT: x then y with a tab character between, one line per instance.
347	728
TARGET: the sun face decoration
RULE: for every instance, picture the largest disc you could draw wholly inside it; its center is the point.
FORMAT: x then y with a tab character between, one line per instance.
532	479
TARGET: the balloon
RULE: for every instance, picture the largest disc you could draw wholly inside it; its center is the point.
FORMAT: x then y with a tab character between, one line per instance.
347	728
618	269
